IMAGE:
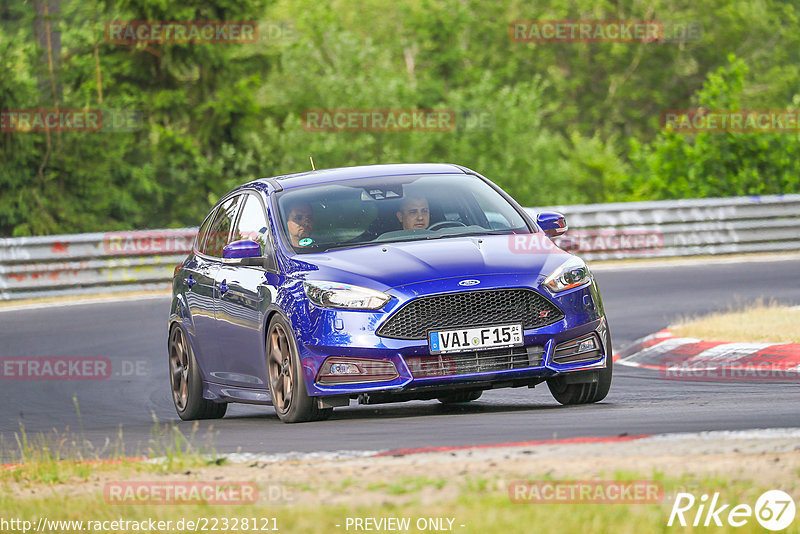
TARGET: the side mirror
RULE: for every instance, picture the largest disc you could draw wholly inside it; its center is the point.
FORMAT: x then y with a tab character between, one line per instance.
553	223
241	249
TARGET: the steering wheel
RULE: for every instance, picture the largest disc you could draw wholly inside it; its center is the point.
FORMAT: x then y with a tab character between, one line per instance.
445	224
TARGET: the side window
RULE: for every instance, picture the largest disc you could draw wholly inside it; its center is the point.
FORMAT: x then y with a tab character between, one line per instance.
220	228
252	224
203	232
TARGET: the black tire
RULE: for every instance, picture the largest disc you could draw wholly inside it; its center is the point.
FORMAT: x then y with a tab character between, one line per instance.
589	392
287	388
461	396
186	383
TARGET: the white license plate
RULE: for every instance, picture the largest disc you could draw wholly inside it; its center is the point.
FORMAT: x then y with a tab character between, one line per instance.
465	339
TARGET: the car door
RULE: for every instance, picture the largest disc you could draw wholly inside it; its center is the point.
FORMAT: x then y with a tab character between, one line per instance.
197	289
200	282
244	293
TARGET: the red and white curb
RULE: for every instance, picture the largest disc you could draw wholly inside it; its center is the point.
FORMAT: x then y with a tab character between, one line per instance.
563	441
690	358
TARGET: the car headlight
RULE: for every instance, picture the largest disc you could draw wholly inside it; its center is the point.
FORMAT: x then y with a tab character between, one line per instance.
571	273
336	295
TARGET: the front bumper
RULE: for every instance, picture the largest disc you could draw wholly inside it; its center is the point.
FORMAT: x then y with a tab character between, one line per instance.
351	334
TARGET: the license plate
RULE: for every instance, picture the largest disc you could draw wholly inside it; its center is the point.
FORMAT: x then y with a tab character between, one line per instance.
465	339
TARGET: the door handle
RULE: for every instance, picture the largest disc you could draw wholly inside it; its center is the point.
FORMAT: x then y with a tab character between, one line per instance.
189	281
223	287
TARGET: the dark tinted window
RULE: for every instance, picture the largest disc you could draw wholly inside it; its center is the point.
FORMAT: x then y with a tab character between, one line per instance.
203	232
252	223
220	228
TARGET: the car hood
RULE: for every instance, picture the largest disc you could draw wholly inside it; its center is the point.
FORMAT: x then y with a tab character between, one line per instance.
392	265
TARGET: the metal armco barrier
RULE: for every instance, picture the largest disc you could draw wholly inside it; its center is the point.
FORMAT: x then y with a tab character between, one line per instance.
681	227
100	262
88	263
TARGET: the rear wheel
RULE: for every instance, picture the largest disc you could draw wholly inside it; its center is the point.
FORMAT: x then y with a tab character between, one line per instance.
286	385
461	396
187	386
585	393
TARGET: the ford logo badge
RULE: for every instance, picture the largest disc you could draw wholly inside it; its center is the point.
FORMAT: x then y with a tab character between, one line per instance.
469	282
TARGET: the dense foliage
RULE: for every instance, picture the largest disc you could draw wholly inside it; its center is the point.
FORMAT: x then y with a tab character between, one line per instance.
550	122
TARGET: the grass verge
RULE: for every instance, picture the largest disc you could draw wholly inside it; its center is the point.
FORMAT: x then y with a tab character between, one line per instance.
759	322
56	458
467	490
484	506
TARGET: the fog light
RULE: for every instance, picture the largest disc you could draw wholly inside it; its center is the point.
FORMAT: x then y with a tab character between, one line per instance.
344	369
581	349
337	370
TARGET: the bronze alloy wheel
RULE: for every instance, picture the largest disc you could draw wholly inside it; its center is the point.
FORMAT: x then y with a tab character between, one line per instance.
179	369
186	382
281	374
285	376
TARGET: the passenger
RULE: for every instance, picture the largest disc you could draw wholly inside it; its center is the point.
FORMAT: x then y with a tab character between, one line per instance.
414	213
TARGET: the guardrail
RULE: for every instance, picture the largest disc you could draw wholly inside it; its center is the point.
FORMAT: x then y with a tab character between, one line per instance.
112	261
90	263
690	227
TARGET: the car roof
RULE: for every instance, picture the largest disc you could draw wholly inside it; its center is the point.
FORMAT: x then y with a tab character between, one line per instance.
322	176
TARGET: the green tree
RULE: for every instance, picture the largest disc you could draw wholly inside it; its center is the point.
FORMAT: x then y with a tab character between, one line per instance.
678	165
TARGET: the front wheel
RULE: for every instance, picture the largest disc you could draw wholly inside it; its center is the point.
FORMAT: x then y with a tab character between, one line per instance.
585	393
187	386
286	385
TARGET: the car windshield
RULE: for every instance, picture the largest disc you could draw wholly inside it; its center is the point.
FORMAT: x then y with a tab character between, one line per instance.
391	209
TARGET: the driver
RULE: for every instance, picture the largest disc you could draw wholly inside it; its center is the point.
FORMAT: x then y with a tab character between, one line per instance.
299	222
414	213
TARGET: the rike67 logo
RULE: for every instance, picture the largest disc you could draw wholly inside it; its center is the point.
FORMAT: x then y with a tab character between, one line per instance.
774	510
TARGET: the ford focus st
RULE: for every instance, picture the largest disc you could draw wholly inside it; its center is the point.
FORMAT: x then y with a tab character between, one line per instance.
380	284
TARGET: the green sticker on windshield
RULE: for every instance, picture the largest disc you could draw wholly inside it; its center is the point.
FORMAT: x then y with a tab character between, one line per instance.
305	241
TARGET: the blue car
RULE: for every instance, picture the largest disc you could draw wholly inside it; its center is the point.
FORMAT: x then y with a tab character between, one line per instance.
377	284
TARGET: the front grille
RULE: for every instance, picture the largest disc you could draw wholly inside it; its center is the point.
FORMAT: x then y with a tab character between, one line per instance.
486	361
468	309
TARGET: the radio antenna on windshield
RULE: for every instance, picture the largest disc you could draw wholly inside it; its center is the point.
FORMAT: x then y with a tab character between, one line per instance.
312	163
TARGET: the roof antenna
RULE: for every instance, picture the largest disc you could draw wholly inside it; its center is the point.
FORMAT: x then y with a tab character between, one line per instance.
312	163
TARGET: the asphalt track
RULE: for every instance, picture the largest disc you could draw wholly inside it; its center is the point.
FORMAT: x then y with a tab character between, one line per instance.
640	300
